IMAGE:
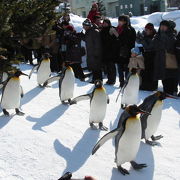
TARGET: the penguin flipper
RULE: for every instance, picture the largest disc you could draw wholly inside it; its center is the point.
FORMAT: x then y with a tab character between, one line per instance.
105	138
22	93
81	98
108	99
1	85
52	79
33	69
124	116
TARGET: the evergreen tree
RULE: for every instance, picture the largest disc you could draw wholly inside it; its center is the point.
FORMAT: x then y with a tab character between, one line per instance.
25	19
102	8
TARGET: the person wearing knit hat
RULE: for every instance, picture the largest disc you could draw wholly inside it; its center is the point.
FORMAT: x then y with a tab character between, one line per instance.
165	62
145	38
93	12
149	26
87	22
94	50
136	60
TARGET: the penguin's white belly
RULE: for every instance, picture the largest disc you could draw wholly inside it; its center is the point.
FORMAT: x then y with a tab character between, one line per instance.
44	72
154	119
98	106
11	95
4	76
130	95
67	86
129	142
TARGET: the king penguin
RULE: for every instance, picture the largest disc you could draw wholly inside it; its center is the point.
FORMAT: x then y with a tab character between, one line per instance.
12	93
130	89
66	84
98	105
43	70
127	139
154	105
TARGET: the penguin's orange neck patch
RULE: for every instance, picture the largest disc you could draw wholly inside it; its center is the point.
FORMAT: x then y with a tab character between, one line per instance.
135	117
15	78
101	89
46	59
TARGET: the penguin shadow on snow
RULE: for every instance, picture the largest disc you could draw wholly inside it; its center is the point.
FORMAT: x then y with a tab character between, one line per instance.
174	103
48	118
5	120
145	155
76	157
110	89
31	94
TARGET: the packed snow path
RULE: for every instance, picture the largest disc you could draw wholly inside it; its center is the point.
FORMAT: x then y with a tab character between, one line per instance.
53	138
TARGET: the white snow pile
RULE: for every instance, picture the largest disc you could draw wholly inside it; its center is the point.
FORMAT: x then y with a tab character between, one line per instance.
138	22
53	138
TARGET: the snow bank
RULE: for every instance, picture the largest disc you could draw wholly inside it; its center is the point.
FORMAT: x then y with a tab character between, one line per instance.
138	22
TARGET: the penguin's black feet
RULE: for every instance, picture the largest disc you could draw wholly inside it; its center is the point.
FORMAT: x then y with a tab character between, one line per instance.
5	112
69	101
18	112
123	106
102	127
73	102
45	84
93	126
155	138
151	143
65	103
123	171
137	166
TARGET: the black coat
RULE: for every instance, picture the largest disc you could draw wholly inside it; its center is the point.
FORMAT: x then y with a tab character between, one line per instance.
94	49
108	45
163	42
178	48
73	53
126	41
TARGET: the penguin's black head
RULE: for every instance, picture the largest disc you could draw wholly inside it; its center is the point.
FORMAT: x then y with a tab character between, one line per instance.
133	70
19	73
162	95
98	83
133	110
46	56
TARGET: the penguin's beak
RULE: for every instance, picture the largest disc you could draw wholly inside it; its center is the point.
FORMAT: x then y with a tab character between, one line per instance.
144	112
23	74
170	96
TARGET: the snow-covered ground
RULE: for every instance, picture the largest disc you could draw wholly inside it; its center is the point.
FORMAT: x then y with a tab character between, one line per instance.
53	138
138	22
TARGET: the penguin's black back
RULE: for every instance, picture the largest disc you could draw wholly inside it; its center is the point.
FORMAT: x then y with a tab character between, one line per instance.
147	105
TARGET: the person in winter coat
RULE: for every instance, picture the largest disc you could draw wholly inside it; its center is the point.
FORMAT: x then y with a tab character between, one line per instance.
71	48
145	38
93	12
108	51
136	60
94	50
165	64
178	57
126	41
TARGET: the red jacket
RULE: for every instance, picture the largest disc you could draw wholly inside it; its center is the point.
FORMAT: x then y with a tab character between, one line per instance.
92	14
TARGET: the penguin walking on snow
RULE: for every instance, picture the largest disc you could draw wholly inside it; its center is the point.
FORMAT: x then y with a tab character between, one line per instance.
43	70
127	139
98	104
12	93
130	89
66	84
154	105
